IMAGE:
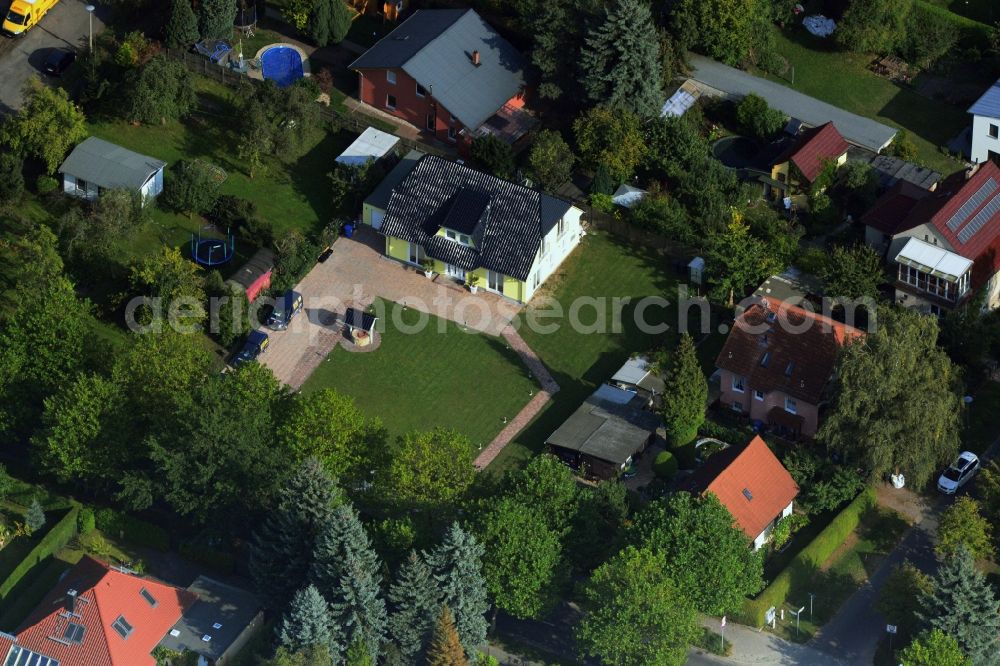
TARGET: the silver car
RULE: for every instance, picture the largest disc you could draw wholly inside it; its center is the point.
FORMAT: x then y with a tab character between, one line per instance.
963	469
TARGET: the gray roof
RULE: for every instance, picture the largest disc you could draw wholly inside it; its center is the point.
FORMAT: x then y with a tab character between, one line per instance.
608	426
218	603
989	103
505	220
108	165
435	46
379	198
858	130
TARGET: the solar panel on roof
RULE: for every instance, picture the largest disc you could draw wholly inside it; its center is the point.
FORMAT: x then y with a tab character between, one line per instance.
984	216
974	202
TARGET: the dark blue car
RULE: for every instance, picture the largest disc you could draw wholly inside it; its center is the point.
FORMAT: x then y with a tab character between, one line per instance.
256	343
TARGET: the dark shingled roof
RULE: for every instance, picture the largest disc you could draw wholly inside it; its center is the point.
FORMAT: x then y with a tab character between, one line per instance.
505	220
435	47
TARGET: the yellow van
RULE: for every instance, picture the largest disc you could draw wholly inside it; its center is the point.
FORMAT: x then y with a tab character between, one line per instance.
24	14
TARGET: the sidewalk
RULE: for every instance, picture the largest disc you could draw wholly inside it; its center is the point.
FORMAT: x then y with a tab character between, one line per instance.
754	647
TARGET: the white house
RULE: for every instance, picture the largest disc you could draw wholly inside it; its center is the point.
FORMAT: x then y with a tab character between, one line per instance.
96	165
986	125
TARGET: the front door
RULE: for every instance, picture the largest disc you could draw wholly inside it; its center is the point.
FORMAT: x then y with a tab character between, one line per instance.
495	282
416	254
454	271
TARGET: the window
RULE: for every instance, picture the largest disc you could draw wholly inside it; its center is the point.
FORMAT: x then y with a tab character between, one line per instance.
450	234
431	121
421	91
541	248
789	368
994	131
748	494
791	406
390	102
74	632
765	359
737	406
561	226
464	240
390	78
935	310
81	185
738	385
123	628
148	597
758	395
452	134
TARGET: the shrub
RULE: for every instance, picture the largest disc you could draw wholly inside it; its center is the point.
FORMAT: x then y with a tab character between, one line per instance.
804	565
727	434
131	529
602	202
903	147
46	184
665	465
757	118
86	521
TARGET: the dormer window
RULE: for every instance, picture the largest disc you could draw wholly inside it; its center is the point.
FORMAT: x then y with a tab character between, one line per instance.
461	239
789	368
122	627
765	359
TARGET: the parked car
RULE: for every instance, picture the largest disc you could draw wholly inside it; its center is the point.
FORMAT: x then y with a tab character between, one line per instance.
58	61
956	476
255	345
287	307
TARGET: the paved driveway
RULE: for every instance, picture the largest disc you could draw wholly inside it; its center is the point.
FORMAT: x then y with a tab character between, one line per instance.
21	57
354	276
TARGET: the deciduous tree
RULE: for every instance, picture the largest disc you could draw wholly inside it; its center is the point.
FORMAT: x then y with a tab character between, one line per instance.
852	272
874	26
189	188
551	159
493	155
635	614
934	648
11	178
757	118
962	525
899	600
738	261
727	30
620	60
327	425
161	90
685	394
610	139
430	470
874	421
963	604
46	127
701	543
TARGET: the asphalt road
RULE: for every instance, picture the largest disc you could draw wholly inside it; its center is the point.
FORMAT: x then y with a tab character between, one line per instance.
66	25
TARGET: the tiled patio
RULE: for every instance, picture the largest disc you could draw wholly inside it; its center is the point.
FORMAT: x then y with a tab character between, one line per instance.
355	274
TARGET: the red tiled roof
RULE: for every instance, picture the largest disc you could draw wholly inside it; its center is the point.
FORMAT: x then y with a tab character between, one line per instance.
103	595
891	213
800	348
814	146
752	470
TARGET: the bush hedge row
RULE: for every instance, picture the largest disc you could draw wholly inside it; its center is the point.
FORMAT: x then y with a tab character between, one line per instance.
133	530
803	566
56	538
971	32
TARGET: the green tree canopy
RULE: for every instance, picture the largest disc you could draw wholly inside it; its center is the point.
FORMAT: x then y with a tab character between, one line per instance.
620	60
701	543
733	31
899	600
962	525
548	485
162	89
635	614
216	18
874	26
430	470
494	155
307	622
551	160
738	261
414	600
852	272
963	604
934	648
610	139
685	393
46	127
182	26
757	118
874	421
457	564
329	22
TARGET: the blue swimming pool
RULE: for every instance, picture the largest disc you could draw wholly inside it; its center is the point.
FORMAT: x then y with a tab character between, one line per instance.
281	64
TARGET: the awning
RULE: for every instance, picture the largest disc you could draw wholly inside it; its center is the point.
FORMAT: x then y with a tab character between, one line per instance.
933	260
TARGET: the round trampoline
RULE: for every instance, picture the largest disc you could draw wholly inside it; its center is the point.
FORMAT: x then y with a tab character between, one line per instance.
282	64
737	152
212	251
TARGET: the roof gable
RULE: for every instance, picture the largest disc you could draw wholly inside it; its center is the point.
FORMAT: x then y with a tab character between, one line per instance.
814	147
781	347
109	165
102	596
435	47
437	193
988	103
750	482
968	216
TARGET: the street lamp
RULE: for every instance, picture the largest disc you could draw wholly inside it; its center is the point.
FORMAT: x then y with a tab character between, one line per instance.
90	19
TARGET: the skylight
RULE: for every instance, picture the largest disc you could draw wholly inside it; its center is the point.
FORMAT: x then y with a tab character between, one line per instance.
74	632
748	494
20	656
148	597
123	628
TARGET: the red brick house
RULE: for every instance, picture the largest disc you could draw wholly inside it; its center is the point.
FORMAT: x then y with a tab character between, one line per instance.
777	363
449	73
752	484
943	244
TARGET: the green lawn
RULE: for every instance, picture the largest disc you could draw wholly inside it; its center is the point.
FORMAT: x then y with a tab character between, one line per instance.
289	196
416	381
605	267
847	570
843	79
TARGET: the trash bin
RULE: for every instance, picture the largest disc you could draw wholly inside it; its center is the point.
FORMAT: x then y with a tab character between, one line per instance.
348	230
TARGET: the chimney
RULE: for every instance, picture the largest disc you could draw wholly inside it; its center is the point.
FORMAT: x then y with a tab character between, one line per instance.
476	59
971	171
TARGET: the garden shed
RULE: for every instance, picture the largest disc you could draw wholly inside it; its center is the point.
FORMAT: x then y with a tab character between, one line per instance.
95	165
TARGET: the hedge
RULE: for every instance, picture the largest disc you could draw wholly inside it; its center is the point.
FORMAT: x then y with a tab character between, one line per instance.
971	32
55	539
803	566
133	530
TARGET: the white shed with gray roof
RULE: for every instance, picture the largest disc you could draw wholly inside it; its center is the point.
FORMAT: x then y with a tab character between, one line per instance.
96	165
